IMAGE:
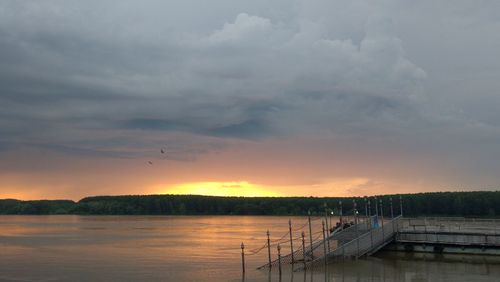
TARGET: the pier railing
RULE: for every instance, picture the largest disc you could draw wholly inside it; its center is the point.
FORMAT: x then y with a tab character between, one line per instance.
451	224
348	239
365	244
370	234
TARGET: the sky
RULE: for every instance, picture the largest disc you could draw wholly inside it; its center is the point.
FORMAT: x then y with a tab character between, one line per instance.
248	98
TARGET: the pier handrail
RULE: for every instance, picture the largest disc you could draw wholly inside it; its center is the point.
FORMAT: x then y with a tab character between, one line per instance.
387	232
451	225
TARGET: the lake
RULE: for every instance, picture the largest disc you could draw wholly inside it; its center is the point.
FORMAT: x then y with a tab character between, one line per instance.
194	248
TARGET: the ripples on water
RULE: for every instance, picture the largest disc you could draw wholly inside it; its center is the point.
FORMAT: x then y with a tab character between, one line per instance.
192	248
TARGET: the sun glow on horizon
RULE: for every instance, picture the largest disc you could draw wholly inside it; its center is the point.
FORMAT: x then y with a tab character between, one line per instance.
232	189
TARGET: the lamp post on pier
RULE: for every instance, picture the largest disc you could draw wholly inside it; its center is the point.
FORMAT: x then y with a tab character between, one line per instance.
382	220
370	212
401	205
366	211
392	212
340	212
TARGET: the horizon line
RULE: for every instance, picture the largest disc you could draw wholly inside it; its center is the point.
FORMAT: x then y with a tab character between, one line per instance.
254	197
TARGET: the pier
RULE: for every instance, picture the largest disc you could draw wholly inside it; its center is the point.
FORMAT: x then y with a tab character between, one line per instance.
449	235
366	235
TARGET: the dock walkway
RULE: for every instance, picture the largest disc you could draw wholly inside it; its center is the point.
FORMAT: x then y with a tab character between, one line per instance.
408	234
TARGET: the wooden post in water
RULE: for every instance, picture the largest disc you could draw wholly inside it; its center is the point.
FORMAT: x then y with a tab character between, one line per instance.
310	233
279	258
269	249
243	257
304	248
324	239
291	239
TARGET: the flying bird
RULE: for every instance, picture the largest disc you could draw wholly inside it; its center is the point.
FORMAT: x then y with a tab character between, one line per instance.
150	162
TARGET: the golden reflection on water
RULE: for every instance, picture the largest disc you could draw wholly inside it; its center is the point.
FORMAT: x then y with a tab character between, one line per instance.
191	248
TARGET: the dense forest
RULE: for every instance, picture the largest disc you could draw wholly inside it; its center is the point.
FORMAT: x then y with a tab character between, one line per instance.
478	204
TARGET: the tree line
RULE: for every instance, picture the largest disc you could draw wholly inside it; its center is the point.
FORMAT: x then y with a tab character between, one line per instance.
461	204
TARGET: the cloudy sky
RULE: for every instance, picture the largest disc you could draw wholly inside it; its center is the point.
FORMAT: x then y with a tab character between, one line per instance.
284	97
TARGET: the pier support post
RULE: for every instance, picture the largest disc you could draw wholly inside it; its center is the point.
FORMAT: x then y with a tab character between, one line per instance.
243	257
269	249
279	258
291	239
304	248
310	233
324	239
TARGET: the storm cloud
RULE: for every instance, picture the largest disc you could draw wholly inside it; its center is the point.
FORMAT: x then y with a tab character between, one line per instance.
120	79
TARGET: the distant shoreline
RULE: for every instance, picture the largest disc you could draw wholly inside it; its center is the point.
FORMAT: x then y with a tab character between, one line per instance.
460	204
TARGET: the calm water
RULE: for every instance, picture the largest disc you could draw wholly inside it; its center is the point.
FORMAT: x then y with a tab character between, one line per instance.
206	248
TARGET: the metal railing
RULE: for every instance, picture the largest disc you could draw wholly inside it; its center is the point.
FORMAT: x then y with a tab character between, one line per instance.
459	239
364	244
365	239
321	245
453	224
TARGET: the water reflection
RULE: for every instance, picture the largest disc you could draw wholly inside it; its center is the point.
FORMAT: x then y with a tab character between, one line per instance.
389	267
184	248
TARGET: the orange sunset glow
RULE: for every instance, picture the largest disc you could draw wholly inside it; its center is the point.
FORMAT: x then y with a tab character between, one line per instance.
231	189
247	168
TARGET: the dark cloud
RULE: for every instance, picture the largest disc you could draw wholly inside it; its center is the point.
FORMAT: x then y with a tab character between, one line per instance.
156	124
84	78
245	129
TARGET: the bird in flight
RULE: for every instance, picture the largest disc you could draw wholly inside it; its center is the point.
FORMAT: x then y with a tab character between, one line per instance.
150	162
